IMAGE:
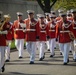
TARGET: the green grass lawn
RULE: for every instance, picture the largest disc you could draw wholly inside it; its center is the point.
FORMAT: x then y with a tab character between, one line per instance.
13	44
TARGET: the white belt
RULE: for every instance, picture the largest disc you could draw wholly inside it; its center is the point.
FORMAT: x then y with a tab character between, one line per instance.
43	31
64	31
19	29
31	29
74	27
3	32
52	30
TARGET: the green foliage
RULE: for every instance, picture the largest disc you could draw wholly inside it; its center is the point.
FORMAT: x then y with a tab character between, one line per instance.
13	44
67	4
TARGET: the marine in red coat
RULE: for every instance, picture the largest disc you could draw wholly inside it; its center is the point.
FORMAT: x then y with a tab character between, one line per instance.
74	32
19	33
43	35
74	22
52	32
9	37
3	31
32	29
31	34
52	27
63	30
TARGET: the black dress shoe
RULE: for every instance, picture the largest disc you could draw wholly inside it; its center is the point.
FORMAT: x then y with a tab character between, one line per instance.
3	68
68	61
74	60
7	60
48	49
60	53
64	63
31	62
70	51
51	55
54	47
41	59
20	57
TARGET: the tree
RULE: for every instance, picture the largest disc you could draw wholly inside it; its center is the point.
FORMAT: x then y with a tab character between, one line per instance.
46	5
66	4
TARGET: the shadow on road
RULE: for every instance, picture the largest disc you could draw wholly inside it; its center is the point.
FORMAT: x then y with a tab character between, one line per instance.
18	73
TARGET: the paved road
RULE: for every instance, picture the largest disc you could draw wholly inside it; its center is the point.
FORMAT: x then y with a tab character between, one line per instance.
50	66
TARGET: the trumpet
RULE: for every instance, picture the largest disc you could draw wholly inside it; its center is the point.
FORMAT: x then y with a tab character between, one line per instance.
1	26
6	17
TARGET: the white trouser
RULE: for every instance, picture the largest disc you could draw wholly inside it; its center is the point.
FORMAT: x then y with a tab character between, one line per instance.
42	49
47	43
7	51
65	50
73	49
52	45
31	48
38	45
55	43
74	42
19	43
59	45
71	45
74	54
2	56
60	48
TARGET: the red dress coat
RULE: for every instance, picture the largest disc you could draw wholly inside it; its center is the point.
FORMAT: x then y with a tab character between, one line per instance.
18	31
32	30
9	36
43	32
3	36
74	29
52	29
62	32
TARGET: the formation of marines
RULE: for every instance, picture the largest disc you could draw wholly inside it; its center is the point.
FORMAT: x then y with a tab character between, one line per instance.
47	29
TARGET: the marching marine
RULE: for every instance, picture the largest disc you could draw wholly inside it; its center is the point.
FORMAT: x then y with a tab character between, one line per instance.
47	19
9	37
3	31
43	35
74	32
31	34
52	32
63	31
19	34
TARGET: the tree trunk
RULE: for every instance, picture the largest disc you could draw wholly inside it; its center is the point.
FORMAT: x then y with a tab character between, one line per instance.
45	5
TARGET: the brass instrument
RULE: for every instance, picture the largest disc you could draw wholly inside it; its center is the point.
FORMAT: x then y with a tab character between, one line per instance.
1	26
6	17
